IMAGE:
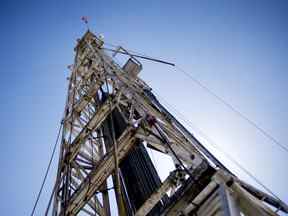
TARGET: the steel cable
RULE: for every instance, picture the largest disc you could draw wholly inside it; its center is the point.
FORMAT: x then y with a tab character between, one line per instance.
47	170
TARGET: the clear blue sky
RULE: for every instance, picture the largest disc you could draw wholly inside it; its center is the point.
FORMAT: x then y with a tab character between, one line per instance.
237	48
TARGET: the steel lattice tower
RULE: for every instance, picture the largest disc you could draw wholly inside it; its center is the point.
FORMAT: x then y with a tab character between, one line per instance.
110	116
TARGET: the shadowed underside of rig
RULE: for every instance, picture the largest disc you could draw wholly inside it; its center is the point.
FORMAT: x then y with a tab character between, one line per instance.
111	118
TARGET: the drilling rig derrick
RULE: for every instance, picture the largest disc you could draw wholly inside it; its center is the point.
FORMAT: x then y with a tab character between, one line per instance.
111	118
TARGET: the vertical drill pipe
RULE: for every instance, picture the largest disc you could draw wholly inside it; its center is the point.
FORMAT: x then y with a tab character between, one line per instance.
121	207
120	203
105	195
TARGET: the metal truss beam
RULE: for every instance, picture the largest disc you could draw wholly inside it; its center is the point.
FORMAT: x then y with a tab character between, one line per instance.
97	176
94	123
